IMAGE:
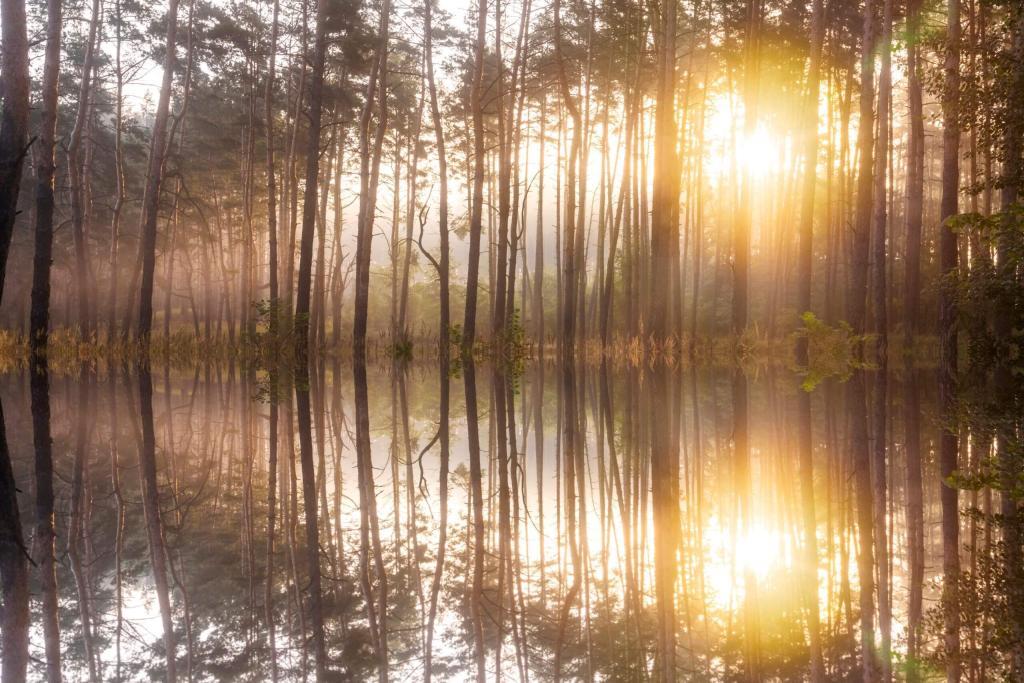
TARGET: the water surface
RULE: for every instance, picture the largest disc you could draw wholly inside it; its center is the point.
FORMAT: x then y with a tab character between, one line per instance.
603	523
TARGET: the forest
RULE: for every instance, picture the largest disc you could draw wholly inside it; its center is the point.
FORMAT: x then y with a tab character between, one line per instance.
516	340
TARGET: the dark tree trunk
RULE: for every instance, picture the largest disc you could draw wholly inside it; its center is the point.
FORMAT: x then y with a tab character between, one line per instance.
154	518
45	537
154	175
14	617
856	302
309	502
477	197
309	201
13	119
948	257
39	325
369	178
915	178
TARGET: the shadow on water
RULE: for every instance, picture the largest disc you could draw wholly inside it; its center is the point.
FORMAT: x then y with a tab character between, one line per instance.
399	521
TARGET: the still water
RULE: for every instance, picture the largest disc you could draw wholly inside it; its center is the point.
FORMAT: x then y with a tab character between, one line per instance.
556	523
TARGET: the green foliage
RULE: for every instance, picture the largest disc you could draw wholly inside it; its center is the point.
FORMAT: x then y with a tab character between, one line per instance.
832	351
401	349
989	292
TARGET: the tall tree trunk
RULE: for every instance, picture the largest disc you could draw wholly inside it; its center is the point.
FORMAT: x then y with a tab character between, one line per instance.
476	493
13	121
915	523
915	178
805	268
78	178
268	122
274	313
741	234
442	170
45	536
568	300
477	197
856	400
369	177
154	176
444	429
856	304
309	503
154	519
665	204
538	247
879	470
309	201
119	179
948	257
665	504
39	326
14	617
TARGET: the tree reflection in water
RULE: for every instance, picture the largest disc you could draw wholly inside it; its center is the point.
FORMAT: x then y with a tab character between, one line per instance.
563	522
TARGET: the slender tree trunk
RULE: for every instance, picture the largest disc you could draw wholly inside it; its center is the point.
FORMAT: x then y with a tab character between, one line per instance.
154	176
948	257
79	179
741	234
476	494
477	197
665	503
119	179
154	522
312	523
538	247
856	308
444	430
805	268
369	177
309	201
879	470
856	398
268	122
665	204
915	523
915	178
568	300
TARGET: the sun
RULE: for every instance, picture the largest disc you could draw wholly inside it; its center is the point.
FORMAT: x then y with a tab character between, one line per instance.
726	142
733	554
758	152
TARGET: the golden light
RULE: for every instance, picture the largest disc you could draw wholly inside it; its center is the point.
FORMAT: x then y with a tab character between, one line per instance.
733	553
727	143
758	153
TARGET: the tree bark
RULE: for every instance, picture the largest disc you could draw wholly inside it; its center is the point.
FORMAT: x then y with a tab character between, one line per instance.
154	521
948	257
14	617
45	537
915	178
78	177
309	201
39	325
154	176
13	119
665	202
477	196
856	302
